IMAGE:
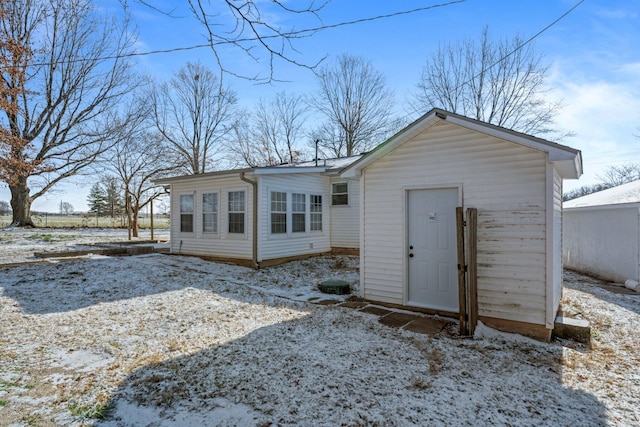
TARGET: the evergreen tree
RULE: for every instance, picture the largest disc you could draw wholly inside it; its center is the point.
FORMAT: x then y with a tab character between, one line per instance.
113	197
97	200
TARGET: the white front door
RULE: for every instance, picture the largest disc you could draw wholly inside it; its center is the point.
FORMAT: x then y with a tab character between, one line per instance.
433	276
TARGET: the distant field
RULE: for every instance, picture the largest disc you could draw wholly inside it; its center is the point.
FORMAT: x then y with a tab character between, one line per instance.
56	221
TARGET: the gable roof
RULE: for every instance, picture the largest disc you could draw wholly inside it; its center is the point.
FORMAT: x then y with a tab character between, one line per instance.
330	166
619	196
568	160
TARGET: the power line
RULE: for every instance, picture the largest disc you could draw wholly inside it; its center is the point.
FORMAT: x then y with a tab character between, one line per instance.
375	18
530	39
256	38
519	47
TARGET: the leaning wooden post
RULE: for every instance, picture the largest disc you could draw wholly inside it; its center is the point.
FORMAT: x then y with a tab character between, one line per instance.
151	213
462	294
472	270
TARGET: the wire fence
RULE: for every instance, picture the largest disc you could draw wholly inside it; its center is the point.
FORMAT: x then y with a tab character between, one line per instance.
49	220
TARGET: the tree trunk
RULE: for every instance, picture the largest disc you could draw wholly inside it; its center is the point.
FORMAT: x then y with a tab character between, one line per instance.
21	204
134	221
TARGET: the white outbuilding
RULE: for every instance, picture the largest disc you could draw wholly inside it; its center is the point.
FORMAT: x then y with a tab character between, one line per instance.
410	187
602	233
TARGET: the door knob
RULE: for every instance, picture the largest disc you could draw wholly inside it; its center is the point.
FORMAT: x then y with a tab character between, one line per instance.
410	247
410	255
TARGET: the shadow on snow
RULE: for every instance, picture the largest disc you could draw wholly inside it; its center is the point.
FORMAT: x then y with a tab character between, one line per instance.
341	367
333	366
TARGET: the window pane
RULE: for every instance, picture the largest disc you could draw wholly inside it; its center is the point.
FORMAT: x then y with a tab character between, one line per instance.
236	223
236	201
278	201
297	222
298	202
236	212
210	212
186	223
340	195
186	213
278	212
278	223
315	217
210	222
299	208
340	199
186	203
210	202
339	187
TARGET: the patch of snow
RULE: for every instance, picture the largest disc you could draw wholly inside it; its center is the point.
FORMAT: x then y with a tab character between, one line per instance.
170	340
82	360
621	194
483	331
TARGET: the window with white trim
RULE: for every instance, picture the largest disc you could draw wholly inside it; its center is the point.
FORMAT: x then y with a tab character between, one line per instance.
339	194
186	213
298	213
315	212
236	204
278	212
210	212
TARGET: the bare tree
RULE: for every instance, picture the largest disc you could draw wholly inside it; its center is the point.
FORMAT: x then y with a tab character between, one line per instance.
194	113
612	176
139	160
254	28
358	108
66	208
63	89
5	207
498	82
273	134
139	155
620	174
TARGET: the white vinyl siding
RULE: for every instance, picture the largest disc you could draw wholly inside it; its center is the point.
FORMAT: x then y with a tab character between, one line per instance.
555	261
345	219
220	244
504	181
603	241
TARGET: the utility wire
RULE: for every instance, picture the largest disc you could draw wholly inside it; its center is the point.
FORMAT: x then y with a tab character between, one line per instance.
256	38
517	48
375	18
526	42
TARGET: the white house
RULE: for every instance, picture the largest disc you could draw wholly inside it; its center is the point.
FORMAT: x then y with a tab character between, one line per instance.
409	189
602	233
301	209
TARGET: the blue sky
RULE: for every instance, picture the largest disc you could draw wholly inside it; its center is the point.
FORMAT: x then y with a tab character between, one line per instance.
593	56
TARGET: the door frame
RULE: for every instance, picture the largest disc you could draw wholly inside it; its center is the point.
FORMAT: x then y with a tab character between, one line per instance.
405	225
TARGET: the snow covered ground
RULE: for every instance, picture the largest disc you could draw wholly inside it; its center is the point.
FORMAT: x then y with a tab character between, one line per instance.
159	340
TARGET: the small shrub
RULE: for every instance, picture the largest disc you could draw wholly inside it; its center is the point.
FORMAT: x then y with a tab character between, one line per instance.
435	360
98	412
